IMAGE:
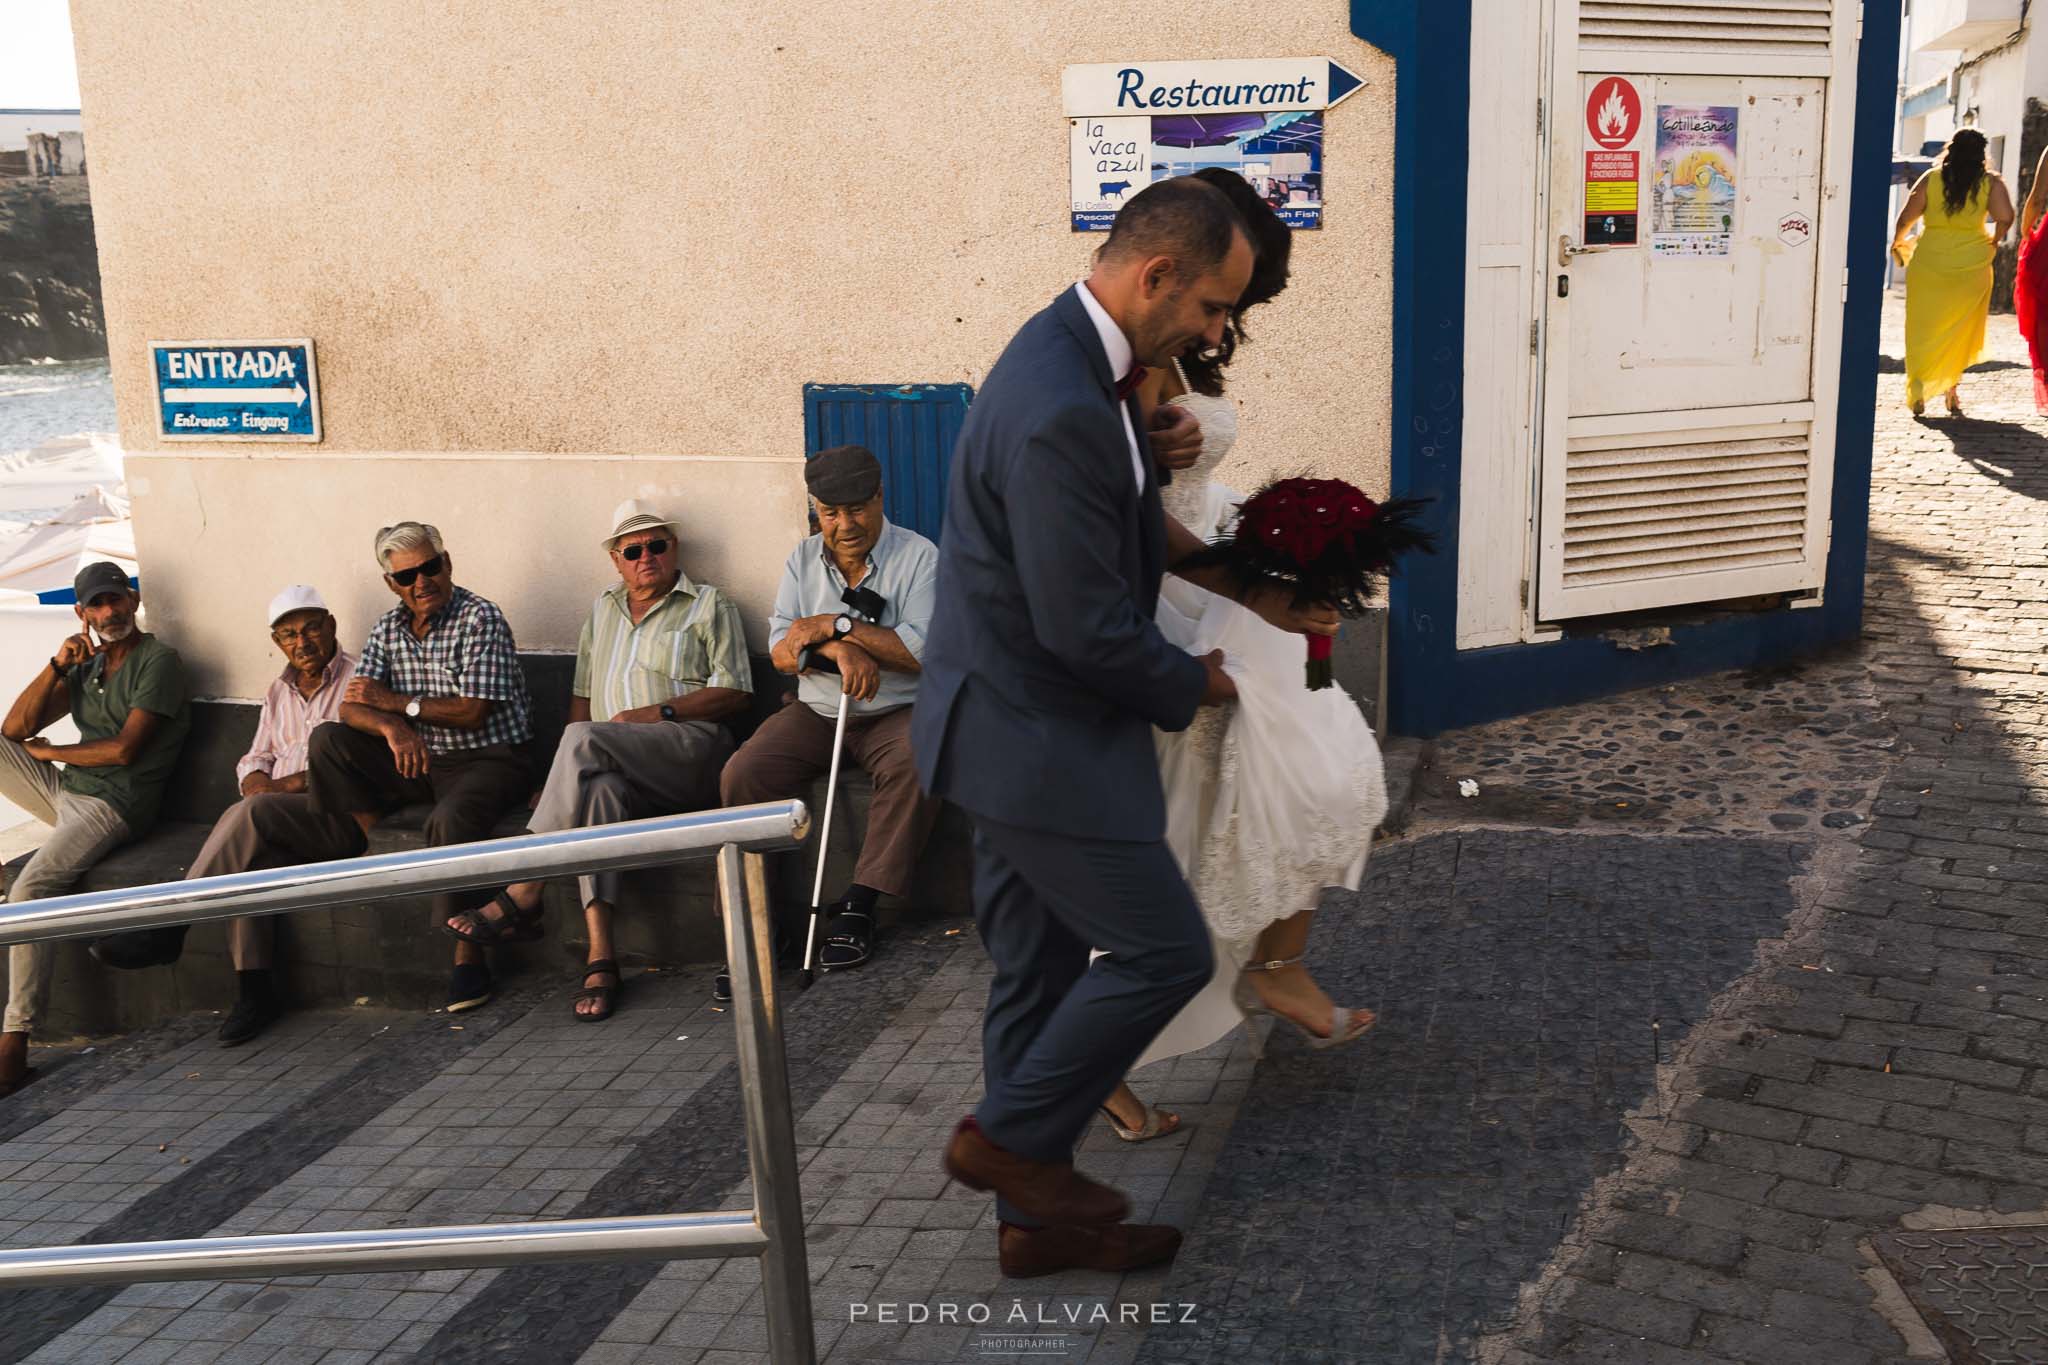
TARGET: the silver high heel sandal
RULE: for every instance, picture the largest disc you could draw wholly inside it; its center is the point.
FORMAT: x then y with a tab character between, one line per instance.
1158	1123
1342	1028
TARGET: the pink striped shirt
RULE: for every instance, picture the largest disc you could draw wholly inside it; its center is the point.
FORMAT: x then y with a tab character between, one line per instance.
289	717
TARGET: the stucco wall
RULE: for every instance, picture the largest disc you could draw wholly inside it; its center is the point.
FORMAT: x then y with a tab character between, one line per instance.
638	230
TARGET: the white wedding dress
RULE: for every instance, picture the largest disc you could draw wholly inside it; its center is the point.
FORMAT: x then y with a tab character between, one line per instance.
1268	799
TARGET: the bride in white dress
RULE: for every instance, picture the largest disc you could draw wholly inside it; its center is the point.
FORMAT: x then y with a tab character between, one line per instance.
1269	799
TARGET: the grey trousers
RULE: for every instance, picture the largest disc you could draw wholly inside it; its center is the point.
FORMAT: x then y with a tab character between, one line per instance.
274	829
83	829
1061	1031
608	771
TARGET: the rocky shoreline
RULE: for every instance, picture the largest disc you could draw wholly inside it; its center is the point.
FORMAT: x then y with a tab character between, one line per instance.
49	272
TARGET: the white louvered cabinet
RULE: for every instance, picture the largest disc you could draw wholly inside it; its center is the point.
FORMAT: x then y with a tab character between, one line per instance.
1689	379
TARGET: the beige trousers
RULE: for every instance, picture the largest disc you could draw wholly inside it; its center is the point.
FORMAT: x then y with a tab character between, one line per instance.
83	829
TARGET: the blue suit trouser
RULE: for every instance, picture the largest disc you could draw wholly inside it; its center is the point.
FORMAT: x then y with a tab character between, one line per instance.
1060	1033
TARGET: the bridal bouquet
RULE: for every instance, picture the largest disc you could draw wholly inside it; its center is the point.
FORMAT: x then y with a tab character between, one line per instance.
1323	540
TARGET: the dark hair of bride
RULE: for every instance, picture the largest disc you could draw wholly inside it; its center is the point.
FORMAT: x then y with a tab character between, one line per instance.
1962	167
1272	239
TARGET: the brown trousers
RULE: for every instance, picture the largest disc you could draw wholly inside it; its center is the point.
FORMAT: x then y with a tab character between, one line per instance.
793	747
352	773
275	829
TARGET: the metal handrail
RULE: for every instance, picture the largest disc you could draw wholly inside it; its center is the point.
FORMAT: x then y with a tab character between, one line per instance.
416	872
772	1230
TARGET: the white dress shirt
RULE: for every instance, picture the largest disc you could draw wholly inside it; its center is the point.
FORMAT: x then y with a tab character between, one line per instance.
1118	347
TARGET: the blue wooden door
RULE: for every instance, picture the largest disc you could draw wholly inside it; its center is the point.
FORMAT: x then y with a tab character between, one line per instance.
911	428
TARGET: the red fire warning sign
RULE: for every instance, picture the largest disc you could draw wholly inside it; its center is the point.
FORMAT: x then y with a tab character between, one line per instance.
1614	112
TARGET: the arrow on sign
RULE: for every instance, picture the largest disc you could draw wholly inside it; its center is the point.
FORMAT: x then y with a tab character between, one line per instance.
295	395
1342	84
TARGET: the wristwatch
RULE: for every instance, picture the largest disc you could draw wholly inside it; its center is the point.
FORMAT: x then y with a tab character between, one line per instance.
842	626
412	708
667	712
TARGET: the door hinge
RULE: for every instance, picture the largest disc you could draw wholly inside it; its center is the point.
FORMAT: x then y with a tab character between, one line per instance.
1845	284
1859	22
1539	116
1532	335
1525	592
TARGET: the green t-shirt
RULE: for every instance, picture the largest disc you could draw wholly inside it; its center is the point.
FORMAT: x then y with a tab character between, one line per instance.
153	679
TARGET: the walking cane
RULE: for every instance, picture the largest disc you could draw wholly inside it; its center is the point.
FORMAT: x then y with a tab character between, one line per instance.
824	841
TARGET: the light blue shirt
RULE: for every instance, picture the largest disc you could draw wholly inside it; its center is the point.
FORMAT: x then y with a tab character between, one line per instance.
903	567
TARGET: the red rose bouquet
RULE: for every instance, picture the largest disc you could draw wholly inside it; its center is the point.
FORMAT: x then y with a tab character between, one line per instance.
1323	540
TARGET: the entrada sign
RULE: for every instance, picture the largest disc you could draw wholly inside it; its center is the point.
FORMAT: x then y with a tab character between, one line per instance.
236	390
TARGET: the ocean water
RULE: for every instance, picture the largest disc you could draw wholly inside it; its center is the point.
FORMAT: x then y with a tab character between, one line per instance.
40	403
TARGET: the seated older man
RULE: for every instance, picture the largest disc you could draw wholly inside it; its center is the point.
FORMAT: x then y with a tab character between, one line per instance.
437	713
126	691
275	823
860	594
662	661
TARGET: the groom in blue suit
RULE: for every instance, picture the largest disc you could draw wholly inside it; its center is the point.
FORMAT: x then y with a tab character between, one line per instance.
1043	678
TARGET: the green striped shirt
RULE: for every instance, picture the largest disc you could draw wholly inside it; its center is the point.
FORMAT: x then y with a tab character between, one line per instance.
690	641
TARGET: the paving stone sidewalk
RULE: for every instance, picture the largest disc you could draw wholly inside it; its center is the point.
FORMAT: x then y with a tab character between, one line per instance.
1705	1028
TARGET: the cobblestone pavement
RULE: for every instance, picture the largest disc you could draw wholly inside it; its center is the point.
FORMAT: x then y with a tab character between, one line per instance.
1887	1069
1717	1009
1791	749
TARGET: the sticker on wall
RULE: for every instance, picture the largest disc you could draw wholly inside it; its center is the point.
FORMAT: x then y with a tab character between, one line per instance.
1612	186
1130	124
1795	229
1614	113
1611	191
1693	178
236	390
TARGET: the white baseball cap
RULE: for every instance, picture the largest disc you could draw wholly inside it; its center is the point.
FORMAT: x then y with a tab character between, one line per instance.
298	597
634	515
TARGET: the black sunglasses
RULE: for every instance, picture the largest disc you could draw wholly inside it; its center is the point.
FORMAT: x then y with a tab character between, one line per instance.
653	547
432	569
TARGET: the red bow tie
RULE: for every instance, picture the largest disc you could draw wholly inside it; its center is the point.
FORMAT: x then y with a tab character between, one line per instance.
1128	385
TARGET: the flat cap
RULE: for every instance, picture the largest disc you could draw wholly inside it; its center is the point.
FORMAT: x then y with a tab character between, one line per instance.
843	475
94	579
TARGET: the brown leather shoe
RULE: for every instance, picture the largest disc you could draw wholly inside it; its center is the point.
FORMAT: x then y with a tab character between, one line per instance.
1051	1190
1027	1252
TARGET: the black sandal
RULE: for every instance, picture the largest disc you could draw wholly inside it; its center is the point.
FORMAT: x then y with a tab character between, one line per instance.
846	940
511	925
607	997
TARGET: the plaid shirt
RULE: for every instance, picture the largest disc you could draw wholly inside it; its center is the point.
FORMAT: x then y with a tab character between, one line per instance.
468	652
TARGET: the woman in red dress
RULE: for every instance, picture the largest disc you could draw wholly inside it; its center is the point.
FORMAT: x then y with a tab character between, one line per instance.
2030	288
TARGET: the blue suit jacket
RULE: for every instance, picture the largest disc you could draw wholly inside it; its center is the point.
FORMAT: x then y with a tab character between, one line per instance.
1044	672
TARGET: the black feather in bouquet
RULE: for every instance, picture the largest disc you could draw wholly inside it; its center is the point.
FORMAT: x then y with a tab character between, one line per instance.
1321	539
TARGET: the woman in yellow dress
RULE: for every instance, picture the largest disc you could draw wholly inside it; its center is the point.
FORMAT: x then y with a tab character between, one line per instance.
1948	267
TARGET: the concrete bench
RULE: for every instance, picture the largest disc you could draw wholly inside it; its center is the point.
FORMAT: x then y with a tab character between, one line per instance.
394	953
